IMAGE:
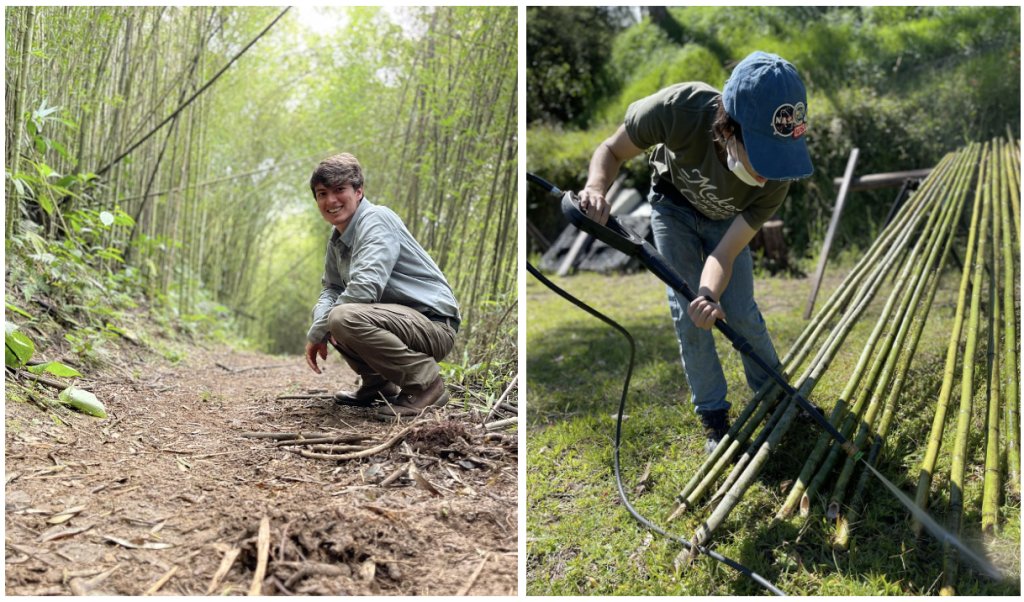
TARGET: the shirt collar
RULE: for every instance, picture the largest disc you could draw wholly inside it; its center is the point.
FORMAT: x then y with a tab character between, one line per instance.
350	233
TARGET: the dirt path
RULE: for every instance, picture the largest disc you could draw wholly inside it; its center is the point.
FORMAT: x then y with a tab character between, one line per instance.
169	466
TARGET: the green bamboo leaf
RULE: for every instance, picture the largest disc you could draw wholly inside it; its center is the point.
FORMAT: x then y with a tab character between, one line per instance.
19	311
45	203
18	349
55	368
68	179
84	401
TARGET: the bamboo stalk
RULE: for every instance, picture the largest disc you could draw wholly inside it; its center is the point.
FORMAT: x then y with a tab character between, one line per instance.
991	488
839	410
920	319
939	421
873	348
1010	349
908	309
1012	169
956	478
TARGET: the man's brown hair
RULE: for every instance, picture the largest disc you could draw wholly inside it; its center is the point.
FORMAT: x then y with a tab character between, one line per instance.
336	171
724	124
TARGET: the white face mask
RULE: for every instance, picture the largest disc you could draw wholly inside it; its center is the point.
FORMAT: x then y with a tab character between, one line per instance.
736	166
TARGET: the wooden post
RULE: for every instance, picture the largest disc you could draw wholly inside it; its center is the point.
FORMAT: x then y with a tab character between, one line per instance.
832	226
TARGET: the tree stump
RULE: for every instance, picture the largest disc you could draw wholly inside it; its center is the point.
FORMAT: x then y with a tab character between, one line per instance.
770	240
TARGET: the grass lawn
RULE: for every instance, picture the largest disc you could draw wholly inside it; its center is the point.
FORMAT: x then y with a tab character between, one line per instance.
581	540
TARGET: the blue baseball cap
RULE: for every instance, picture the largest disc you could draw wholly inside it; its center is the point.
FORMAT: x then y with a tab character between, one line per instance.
765	95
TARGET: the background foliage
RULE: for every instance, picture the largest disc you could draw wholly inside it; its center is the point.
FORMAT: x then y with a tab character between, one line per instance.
211	218
903	84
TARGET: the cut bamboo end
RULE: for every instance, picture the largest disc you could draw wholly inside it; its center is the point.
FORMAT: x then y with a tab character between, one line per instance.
947	590
805	505
832	513
675	511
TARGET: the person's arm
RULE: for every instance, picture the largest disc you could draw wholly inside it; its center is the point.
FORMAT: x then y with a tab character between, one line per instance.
717	272
604	165
316	338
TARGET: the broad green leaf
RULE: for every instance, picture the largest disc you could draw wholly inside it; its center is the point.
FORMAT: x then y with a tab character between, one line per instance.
40	144
66	180
18	349
60	149
45	203
83	400
55	368
107	218
31	127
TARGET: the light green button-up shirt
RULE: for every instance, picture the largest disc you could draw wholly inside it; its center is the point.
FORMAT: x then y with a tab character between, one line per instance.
377	260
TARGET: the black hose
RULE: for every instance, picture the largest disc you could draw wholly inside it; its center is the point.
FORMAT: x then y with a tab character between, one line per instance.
618	437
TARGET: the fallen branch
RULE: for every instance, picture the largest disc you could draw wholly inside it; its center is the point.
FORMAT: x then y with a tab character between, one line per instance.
404	468
240	370
338	448
362	454
508	390
307	396
262	551
501	424
319	440
317	569
284	436
160	582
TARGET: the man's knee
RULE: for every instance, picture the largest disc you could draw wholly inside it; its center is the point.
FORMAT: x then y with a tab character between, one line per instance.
345	321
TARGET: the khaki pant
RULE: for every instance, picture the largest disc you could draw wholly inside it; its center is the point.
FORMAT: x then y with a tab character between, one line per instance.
385	341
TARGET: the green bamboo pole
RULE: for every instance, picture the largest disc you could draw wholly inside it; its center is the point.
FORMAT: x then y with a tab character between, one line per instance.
1012	166
920	319
990	496
906	219
908	310
939	421
956	484
872	349
839	410
1010	349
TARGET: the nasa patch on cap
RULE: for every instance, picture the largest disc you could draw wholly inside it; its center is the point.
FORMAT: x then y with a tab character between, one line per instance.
789	120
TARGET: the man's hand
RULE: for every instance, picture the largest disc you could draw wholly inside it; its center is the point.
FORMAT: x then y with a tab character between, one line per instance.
593	203
312	349
704	312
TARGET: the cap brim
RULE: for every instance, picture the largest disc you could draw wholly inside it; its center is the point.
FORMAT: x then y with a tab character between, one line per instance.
778	159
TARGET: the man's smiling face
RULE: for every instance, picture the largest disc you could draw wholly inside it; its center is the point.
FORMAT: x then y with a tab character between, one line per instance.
338	204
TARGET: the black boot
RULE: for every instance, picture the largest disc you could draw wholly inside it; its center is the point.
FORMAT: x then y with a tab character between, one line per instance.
716	424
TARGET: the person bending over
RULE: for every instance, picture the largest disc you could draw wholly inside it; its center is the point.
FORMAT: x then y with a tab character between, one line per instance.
385	305
715	156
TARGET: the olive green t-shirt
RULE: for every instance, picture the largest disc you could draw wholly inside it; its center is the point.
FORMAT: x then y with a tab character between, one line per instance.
677	122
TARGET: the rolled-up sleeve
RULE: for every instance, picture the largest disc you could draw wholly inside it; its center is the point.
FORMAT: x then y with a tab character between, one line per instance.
333	287
375	255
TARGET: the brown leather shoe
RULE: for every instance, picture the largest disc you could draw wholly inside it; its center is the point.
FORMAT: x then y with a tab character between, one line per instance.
410	404
368	395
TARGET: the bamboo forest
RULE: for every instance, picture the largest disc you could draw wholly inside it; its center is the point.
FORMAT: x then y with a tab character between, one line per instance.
164	251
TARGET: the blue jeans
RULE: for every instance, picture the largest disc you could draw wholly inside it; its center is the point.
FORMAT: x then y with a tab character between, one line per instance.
686	238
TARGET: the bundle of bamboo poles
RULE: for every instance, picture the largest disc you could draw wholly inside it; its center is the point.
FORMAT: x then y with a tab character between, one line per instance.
914	249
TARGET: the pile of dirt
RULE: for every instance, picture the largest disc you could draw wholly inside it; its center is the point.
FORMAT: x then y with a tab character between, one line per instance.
167	493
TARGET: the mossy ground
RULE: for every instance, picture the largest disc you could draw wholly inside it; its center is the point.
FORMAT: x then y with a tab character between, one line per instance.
582	541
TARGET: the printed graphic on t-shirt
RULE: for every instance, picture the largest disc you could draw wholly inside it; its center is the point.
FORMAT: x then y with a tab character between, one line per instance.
701	194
